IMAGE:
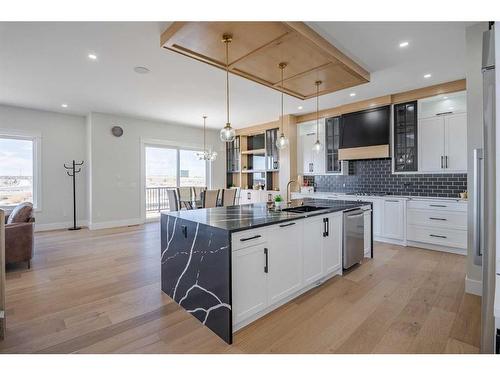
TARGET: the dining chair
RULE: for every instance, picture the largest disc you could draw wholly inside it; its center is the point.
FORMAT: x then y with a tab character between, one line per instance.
173	199
209	198
197	190
228	197
185	196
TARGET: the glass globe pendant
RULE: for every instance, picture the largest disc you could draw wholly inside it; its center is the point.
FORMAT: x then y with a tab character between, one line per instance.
206	155
282	141
227	134
317	147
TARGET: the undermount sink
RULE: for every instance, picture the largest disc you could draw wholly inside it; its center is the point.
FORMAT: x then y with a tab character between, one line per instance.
303	209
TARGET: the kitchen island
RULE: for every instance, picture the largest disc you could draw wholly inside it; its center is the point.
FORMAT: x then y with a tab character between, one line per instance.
228	266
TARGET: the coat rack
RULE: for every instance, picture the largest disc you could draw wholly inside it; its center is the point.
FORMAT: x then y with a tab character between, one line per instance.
74	170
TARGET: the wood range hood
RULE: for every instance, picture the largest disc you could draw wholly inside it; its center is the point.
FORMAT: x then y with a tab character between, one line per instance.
258	47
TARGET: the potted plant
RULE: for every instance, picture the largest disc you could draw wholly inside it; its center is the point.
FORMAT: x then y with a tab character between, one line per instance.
278	201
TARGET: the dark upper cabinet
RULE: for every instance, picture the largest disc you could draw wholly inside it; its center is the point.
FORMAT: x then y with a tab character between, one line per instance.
332	142
233	155
272	152
405	137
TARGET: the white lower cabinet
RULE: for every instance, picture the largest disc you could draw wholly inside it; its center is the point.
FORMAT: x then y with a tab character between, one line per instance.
332	243
322	247
393	219
250	281
285	260
312	248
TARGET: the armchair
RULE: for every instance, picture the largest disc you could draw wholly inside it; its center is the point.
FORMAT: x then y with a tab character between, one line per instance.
19	228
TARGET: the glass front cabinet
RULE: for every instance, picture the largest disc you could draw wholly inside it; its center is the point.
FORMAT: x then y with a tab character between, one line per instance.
233	155
332	133
405	137
272	152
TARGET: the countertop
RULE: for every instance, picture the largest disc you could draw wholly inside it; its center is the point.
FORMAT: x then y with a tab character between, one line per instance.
247	216
376	195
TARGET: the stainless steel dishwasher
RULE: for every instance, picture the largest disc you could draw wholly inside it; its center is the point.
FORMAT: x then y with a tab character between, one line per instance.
354	237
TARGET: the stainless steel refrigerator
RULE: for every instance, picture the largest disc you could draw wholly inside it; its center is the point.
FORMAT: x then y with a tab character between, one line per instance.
484	201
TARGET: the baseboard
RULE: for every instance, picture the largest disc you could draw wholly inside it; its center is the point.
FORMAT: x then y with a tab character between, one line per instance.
473	286
389	240
446	249
58	226
115	224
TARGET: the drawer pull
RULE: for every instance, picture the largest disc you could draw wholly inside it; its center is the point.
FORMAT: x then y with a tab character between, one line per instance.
392	200
437	205
437	235
250	238
266	253
437	218
286	225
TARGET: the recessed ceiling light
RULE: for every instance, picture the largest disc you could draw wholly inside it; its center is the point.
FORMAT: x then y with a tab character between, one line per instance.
372	105
300	107
352	94
428	75
451	108
64	105
445	97
141	70
92	56
403	44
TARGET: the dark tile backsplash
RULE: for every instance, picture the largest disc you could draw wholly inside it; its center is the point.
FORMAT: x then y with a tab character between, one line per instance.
373	176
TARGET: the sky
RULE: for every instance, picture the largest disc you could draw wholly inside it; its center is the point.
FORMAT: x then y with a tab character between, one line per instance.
16	157
163	162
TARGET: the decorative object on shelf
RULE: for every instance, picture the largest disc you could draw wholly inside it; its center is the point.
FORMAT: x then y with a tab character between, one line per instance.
227	133
74	170
206	154
117	131
278	201
282	141
317	147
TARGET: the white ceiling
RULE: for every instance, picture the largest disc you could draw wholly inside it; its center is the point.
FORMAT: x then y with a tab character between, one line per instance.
43	65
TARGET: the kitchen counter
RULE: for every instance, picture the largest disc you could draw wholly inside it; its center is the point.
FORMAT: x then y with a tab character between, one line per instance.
197	249
237	218
325	194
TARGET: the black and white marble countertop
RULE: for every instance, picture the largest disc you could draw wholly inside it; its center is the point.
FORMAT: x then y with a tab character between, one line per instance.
247	216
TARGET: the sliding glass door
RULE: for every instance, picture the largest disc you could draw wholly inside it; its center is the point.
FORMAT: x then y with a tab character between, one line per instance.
169	167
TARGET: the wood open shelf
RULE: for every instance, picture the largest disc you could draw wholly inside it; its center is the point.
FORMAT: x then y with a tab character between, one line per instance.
258	47
260	151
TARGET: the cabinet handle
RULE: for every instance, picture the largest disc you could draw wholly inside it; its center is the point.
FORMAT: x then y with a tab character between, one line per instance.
437	205
442	162
250	238
437	218
327	222
446	161
392	200
266	253
437	235
286	225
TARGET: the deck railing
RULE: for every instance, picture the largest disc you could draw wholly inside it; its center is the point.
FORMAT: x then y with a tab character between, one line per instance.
157	199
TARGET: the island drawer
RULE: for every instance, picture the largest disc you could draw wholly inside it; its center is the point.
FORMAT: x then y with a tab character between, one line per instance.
247	238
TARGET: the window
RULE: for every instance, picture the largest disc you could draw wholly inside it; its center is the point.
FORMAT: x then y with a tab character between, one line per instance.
192	171
18	170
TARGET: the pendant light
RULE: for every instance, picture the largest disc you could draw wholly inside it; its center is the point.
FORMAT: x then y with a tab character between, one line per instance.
317	147
227	134
282	141
205	154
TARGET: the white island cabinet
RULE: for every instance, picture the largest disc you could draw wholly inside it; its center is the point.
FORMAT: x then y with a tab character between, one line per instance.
274	264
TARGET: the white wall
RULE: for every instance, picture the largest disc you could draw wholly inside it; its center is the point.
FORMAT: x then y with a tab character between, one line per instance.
109	187
63	139
474	40
115	179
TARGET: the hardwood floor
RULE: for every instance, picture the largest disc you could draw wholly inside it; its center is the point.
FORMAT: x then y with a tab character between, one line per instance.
99	292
